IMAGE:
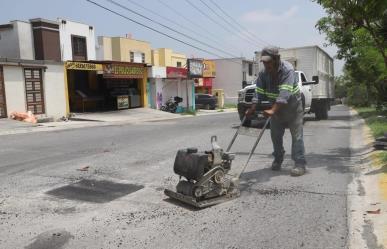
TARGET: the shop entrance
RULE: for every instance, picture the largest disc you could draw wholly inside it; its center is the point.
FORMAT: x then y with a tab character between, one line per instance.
102	90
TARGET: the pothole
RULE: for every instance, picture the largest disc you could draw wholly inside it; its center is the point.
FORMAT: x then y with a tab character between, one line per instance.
94	191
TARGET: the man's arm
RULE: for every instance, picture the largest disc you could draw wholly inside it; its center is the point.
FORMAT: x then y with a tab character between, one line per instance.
285	91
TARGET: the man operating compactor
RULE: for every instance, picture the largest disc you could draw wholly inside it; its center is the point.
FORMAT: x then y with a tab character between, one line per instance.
277	83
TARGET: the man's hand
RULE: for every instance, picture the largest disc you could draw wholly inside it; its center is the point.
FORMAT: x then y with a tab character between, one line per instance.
268	113
272	111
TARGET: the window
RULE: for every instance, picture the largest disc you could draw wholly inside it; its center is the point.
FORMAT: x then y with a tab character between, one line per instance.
79	47
250	69
143	57
303	78
34	90
244	76
178	64
131	56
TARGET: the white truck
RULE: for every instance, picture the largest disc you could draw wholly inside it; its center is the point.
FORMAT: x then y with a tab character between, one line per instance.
310	62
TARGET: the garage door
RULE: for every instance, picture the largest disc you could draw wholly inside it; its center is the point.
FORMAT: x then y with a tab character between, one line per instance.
34	90
3	108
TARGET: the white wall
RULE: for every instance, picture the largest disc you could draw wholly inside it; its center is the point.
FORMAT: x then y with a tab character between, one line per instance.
54	91
17	42
79	29
229	78
14	89
53	85
26	41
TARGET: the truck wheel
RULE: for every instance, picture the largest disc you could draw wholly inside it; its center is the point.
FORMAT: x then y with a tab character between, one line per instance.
324	112
321	110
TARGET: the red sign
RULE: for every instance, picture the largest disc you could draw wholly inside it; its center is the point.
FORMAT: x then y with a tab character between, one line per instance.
207	82
176	72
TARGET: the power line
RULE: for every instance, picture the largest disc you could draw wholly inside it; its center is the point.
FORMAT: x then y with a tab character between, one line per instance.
220	24
169	7
172	21
155	30
229	23
173	30
237	23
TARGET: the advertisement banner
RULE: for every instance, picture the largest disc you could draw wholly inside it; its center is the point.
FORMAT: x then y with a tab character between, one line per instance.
73	65
123	71
195	68
209	69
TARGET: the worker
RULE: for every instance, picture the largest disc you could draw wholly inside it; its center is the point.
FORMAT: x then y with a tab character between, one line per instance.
277	83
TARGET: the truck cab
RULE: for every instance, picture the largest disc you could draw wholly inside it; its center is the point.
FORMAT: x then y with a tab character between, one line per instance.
245	96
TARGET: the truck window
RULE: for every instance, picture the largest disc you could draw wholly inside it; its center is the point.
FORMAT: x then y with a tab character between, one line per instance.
303	78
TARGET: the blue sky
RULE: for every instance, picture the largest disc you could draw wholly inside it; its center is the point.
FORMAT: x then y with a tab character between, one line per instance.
282	23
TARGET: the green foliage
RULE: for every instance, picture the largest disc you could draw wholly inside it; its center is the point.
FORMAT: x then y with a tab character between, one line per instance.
359	30
376	120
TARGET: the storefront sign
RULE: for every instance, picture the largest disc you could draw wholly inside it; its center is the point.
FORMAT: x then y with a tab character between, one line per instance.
73	65
123	71
195	68
122	102
209	69
176	72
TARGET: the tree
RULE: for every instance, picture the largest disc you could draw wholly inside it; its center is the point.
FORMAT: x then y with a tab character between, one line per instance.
348	16
359	29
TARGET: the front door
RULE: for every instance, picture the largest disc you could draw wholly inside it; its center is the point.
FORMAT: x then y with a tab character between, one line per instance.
3	107
34	90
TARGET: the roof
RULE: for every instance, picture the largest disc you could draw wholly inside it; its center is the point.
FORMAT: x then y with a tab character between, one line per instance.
233	58
43	20
311	46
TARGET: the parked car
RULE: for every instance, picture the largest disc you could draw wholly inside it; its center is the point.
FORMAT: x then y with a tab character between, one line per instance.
205	101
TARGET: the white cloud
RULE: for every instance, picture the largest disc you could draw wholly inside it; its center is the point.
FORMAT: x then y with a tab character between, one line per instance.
267	15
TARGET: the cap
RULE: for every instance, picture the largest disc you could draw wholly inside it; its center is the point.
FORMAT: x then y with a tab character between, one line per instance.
269	53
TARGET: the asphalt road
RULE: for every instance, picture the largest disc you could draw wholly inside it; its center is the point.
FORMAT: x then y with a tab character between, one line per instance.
64	189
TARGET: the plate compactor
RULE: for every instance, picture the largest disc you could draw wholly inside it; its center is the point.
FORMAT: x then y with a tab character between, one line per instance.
204	176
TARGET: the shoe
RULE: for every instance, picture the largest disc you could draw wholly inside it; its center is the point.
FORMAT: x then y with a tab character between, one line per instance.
276	165
297	171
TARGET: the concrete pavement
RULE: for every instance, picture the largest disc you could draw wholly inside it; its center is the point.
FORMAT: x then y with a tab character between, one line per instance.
43	177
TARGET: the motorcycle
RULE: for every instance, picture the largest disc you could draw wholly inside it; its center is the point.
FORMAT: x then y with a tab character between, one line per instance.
171	104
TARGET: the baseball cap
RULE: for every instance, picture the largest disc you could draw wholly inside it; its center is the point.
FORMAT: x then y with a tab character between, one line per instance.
268	53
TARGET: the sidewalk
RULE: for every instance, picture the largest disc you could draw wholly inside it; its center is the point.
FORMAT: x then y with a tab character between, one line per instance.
367	198
81	120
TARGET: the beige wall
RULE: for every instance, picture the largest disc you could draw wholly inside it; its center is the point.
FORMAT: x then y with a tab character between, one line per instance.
104	50
53	86
165	57
121	48
54	91
14	89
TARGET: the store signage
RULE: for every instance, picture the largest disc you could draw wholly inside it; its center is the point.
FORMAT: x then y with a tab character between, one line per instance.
73	65
209	69
195	68
122	102
176	72
123	71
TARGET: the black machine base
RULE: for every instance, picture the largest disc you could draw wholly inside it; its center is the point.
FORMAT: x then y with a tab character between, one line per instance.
203	203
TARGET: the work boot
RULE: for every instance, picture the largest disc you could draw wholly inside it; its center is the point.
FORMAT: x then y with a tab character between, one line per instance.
298	170
276	165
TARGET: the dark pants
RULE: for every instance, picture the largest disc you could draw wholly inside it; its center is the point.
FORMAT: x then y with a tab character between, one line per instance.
293	119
